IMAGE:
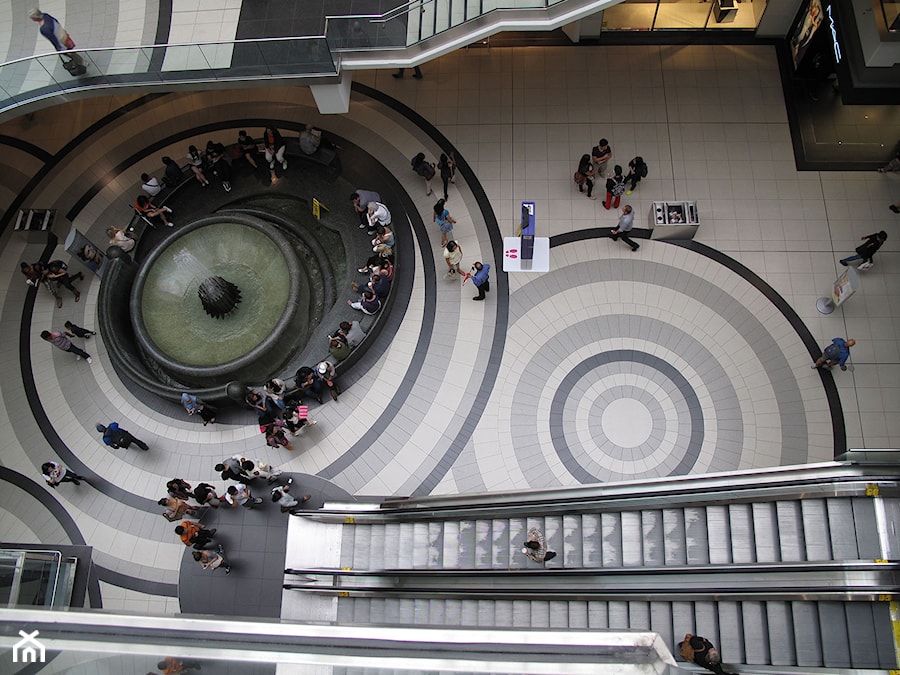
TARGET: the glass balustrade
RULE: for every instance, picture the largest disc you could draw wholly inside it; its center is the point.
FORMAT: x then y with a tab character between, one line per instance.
42	76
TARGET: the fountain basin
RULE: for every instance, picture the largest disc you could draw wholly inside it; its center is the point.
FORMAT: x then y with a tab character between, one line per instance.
251	342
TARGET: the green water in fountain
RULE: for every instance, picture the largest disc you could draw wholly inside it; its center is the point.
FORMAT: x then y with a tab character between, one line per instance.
172	311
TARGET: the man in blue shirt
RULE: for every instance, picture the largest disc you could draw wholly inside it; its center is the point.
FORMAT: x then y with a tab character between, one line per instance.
836	353
626	222
115	437
480	274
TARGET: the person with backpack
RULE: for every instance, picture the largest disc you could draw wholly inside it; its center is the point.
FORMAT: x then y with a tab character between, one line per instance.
702	652
615	188
637	169
584	175
425	169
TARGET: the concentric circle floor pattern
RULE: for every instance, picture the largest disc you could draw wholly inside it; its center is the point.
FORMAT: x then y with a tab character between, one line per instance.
611	366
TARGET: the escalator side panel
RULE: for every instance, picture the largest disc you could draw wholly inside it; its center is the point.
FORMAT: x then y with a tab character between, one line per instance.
654	548
815	529
611	527
884	635
743	549
765	528
674	537
807	638
591	536
573	542
731	632
841	529
861	628
790	531
833	627
632	532
696	536
866	530
500	544
719	534
781	633
756	639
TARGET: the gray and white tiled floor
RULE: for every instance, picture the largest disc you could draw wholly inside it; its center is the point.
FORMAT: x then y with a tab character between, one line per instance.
614	365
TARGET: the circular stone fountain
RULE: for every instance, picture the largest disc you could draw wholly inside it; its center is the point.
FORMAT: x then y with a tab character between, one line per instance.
221	300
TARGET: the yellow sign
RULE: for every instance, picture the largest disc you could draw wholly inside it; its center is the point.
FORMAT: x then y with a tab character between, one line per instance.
318	207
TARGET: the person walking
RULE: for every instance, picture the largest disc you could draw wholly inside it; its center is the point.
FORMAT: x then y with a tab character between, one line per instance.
626	222
535	547
57	35
835	354
286	501
195	534
58	271
36	275
444	221
702	652
417	73
425	169
637	169
866	251
205	494
195	406
615	188
481	279
584	175
60	341
453	256
212	560
55	473
115	437
239	495
446	167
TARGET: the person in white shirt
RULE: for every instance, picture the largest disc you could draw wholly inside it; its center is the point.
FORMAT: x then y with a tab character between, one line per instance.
150	185
239	495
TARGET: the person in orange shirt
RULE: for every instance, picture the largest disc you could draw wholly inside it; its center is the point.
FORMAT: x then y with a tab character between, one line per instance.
194	534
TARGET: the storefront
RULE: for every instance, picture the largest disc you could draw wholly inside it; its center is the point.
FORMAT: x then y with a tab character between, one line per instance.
661	15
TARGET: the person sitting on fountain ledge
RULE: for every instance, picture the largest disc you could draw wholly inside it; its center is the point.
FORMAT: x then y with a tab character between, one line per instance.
150	211
368	303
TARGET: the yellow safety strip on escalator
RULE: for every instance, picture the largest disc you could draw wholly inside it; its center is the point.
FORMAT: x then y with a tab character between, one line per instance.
895	625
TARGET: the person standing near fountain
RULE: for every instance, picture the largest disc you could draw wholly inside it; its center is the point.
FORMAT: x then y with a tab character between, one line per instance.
194	405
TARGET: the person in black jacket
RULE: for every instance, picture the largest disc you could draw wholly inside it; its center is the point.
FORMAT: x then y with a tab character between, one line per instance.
702	652
637	169
866	251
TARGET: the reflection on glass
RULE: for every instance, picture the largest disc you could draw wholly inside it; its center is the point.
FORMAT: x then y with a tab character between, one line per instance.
683	15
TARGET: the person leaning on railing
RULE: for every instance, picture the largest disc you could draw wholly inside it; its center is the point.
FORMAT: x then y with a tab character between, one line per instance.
55	33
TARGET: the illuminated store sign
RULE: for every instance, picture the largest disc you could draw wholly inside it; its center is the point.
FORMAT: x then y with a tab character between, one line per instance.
834	40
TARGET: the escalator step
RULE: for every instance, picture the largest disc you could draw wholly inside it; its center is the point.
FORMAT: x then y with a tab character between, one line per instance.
833	629
435	545
361	546
500	544
598	615
631	533
756	638
578	614
618	614
553	532
540	614
790	531
487	613
503	613
815	529
420	545
807	639
743	549
719	534
653	547
483	541
731	632
706	619
841	528
405	542
467	544
573	542
661	622
591	536
696	536
866	531
450	545
675	539
611	533
884	635
782	646
638	615
862	635
518	533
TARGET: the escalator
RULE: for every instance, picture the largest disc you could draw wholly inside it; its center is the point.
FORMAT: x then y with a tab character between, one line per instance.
793	568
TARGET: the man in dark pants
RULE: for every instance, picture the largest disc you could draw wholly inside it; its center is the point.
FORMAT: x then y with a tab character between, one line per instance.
58	271
115	437
417	73
626	222
60	341
480	274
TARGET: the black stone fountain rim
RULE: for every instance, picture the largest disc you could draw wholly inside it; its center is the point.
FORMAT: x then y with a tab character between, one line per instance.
254	355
